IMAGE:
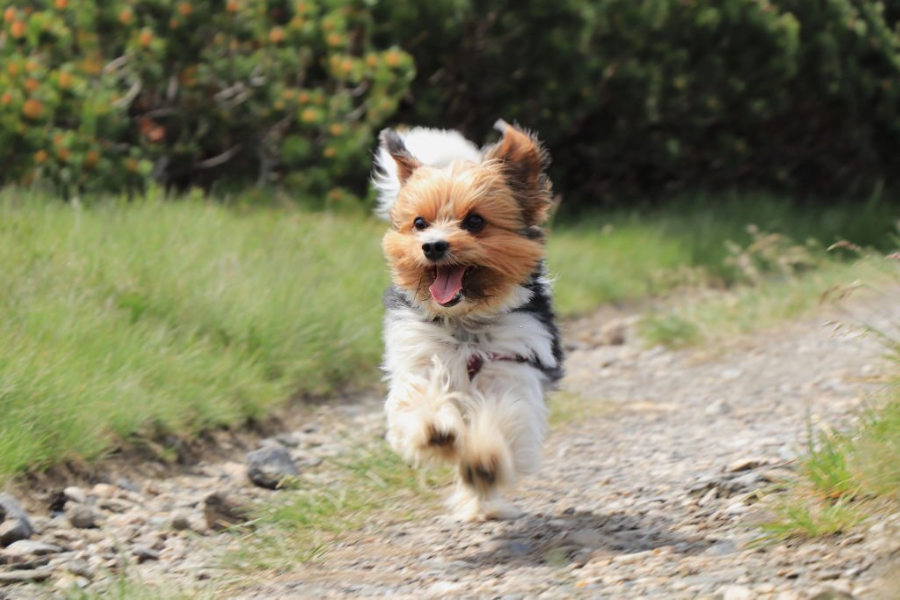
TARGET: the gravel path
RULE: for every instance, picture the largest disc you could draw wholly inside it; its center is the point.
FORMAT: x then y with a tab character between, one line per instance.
650	488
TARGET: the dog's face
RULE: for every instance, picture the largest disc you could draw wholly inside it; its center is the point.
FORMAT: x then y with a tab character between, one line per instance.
464	238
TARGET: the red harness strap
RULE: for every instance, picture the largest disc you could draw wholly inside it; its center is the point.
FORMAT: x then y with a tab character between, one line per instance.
476	362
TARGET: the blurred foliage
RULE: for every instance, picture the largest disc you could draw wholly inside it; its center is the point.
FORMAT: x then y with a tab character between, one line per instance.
646	97
105	94
632	98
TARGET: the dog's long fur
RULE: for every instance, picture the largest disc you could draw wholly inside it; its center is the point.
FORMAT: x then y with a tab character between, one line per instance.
467	379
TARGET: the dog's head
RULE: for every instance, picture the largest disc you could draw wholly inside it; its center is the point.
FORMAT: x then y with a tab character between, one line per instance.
464	237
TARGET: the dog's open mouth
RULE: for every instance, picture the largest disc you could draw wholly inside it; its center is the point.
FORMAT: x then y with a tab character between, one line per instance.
447	286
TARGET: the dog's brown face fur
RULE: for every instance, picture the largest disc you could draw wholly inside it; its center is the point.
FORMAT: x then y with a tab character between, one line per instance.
464	237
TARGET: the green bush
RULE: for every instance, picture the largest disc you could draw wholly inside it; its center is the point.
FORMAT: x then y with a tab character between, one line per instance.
638	97
104	94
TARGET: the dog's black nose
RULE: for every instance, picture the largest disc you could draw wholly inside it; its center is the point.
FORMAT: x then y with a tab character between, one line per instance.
435	250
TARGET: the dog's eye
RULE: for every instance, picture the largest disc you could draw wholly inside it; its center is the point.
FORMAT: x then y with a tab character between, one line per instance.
474	223
420	223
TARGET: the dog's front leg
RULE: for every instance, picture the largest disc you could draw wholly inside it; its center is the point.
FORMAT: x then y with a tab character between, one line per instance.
425	422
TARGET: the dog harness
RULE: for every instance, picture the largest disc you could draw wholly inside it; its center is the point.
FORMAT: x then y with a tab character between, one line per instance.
473	366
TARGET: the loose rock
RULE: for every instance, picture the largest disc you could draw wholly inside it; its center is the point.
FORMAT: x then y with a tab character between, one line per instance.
269	466
143	553
223	511
23	576
15	523
75	494
30	547
82	517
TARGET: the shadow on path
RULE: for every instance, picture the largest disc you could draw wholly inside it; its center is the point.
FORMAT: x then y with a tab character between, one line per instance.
563	539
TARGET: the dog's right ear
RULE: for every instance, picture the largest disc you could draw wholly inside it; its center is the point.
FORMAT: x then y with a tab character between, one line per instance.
406	162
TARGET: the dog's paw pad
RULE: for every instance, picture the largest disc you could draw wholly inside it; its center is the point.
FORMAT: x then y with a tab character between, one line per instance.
441	439
483	472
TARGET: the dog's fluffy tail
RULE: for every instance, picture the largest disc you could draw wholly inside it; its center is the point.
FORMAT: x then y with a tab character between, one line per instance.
432	147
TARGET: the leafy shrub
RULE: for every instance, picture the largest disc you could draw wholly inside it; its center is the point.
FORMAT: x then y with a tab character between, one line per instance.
103	94
637	97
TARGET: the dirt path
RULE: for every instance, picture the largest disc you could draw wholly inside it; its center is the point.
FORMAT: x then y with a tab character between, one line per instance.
650	488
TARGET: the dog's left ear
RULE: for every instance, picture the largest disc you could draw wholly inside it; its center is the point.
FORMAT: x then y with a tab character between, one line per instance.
524	162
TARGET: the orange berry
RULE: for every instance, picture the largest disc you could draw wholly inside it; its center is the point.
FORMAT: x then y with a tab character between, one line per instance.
40	156
288	94
91	158
393	58
32	84
33	109
145	38
17	29
62	4
126	16
308	115
371	61
276	35
132	165
303	97
336	129
32	66
334	39
13	69
185	9
233	6
278	105
9	14
6	98
173	23
63	154
329	152
65	80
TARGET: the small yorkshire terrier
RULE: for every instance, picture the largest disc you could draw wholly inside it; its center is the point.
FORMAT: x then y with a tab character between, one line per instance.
471	343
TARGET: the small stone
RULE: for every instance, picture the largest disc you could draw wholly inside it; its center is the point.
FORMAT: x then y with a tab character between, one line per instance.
13	530
75	494
114	505
15	523
718	407
70	583
736	592
633	558
128	485
103	490
269	466
747	463
829	592
29	547
144	553
288	439
81	569
613	333
82	517
24	576
222	511
181	522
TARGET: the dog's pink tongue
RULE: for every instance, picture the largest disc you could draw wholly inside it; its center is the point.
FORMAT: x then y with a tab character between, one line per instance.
447	283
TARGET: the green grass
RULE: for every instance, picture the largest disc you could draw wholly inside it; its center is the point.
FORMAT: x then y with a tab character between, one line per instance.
847	476
305	526
628	254
123	320
126	319
727	314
